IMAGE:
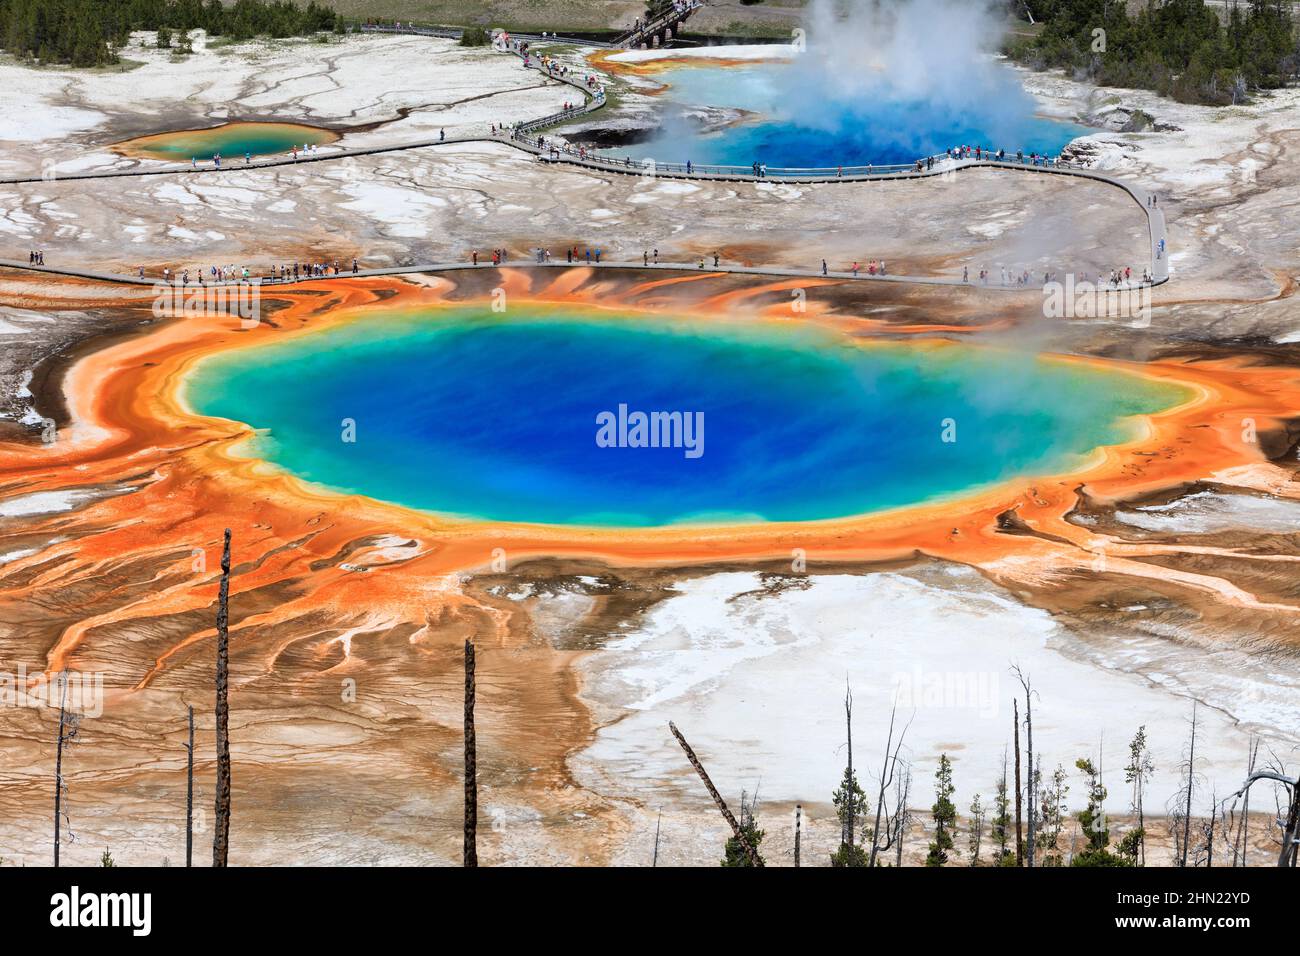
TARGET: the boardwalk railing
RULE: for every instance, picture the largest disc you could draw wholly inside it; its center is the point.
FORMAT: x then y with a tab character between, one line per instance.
594	99
522	137
660	25
650	166
455	33
445	33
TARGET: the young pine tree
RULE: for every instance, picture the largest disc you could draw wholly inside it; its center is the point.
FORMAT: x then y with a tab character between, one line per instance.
851	810
1052	817
735	852
1000	825
944	812
1138	770
976	834
1092	820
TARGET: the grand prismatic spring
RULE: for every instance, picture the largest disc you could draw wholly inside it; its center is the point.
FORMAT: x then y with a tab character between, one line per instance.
945	379
505	407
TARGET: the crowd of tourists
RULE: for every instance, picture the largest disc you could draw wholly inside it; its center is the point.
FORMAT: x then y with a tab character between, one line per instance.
310	270
220	275
295	151
676	7
1119	278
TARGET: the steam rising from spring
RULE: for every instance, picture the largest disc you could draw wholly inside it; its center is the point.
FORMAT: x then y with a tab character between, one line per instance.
927	65
877	83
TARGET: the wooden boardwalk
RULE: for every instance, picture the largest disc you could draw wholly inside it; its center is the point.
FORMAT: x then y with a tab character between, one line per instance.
527	137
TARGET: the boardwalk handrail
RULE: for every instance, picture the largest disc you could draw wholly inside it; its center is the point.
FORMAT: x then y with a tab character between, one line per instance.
456	33
670	17
929	166
443	33
460	265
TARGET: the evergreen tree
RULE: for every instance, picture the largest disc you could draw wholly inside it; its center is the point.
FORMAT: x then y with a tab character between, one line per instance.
475	36
945	814
735	851
86	33
1179	48
1052	817
851	810
1092	820
1000	825
1139	768
976	834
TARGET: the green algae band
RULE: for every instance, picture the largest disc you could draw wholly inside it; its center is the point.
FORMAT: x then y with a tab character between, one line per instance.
230	140
530	417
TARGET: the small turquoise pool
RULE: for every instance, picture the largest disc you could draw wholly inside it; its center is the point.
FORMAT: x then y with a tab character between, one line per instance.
231	140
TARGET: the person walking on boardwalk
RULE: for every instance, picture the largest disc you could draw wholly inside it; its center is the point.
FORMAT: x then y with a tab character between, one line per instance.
442	135
824	272
716	259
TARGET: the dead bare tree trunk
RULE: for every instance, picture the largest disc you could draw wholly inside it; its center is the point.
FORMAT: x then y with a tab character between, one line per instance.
1033	773
189	795
1191	770
886	779
846	829
1020	837
58	764
1241	845
1291	832
798	831
658	820
221	816
743	840
902	819
1290	829
471	766
1209	831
